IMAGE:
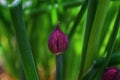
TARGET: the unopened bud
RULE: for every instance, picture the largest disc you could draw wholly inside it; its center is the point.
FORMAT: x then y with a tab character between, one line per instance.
58	41
110	74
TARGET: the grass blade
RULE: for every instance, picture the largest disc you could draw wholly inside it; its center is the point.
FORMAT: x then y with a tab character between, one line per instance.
23	43
78	19
90	17
112	39
107	25
93	43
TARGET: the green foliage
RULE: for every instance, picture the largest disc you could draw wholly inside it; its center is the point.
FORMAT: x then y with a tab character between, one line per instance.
92	26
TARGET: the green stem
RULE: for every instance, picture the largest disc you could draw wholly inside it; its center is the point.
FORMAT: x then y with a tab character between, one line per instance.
111	43
114	60
92	47
22	40
59	67
78	19
92	4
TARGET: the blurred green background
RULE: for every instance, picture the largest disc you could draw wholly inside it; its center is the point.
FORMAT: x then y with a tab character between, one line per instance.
41	17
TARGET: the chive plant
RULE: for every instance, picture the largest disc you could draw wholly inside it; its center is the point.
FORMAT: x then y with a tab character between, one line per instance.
57	44
93	29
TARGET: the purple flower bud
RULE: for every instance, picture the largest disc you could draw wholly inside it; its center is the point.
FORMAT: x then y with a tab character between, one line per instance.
58	41
110	73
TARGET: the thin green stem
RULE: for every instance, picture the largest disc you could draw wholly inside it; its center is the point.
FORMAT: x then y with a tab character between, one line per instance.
114	60
90	17
70	35
22	40
90	75
113	9
59	67
112	39
92	47
78	19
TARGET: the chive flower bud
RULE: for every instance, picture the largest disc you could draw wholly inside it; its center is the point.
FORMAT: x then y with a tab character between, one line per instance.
110	74
58	41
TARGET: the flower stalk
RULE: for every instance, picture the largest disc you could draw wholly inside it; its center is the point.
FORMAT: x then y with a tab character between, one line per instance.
59	67
58	43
